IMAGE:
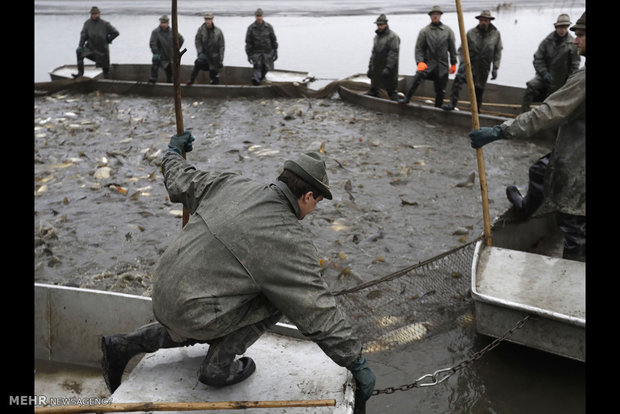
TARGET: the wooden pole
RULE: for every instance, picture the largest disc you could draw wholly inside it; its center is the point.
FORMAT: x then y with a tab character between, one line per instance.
178	110
475	125
181	406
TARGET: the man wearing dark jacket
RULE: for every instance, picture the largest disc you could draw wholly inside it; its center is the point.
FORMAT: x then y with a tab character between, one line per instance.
261	46
161	47
435	56
383	65
210	49
241	262
95	37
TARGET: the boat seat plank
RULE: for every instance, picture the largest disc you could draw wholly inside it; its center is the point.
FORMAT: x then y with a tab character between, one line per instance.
552	284
286	369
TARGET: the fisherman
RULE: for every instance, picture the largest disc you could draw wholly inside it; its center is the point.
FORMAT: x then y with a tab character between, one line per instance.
241	262
564	184
484	43
261	46
210	48
95	37
435	42
161	47
383	65
555	59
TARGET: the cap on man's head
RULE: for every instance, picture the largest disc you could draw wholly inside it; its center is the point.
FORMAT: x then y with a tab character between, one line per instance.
435	9
208	15
581	23
311	168
94	10
563	20
485	14
258	12
381	19
164	19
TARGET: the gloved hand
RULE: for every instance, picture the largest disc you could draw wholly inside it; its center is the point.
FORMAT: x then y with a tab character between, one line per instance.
494	74
369	73
422	66
274	55
452	69
250	60
178	143
202	56
484	135
155	57
462	68
109	38
79	50
547	77
386	73
364	379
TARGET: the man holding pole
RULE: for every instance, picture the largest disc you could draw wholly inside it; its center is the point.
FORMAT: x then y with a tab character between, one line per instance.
565	177
242	261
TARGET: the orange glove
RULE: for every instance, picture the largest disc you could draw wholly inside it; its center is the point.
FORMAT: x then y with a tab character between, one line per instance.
452	69
422	66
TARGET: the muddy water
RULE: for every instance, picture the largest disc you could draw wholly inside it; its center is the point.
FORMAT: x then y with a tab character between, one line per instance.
401	192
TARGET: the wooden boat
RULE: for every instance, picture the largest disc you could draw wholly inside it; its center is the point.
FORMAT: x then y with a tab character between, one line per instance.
500	103
523	273
235	82
69	323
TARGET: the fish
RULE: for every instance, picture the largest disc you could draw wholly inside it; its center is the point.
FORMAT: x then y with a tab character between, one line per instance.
469	182
339	225
466	320
398	337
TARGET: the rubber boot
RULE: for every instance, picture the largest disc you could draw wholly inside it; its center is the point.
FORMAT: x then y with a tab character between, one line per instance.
574	229
451	105
154	72
193	75
439	99
119	349
372	92
215	77
219	367
80	66
524	207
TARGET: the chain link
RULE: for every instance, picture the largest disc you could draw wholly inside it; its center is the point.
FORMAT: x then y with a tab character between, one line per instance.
441	375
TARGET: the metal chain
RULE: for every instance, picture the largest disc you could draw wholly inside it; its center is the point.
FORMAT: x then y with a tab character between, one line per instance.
445	373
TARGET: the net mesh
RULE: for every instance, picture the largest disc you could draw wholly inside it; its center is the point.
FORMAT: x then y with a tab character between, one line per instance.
414	303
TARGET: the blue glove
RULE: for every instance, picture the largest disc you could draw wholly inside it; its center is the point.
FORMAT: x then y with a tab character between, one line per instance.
178	143
484	135
155	57
364	379
547	77
79	50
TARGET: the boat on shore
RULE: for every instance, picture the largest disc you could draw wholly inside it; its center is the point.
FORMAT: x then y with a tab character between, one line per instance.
235	82
523	274
69	323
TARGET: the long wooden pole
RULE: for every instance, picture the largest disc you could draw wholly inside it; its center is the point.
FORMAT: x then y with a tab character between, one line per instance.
178	110
475	125
181	406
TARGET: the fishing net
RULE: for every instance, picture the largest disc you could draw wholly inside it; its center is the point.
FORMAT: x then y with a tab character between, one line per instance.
414	303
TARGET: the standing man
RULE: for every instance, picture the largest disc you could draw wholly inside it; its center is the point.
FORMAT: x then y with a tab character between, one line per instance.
555	59
435	55
210	48
485	53
161	47
95	37
383	65
564	183
261	46
241	262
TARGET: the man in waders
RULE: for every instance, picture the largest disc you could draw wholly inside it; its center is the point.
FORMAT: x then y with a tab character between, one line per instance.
383	65
261	46
161	47
210	48
435	56
563	182
242	261
95	37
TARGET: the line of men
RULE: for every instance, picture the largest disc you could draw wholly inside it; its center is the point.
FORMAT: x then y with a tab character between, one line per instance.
436	57
261	47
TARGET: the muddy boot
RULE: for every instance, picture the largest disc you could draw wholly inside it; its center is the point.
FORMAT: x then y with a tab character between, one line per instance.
372	92
193	75
449	106
80	73
439	99
219	368
154	73
526	206
119	349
